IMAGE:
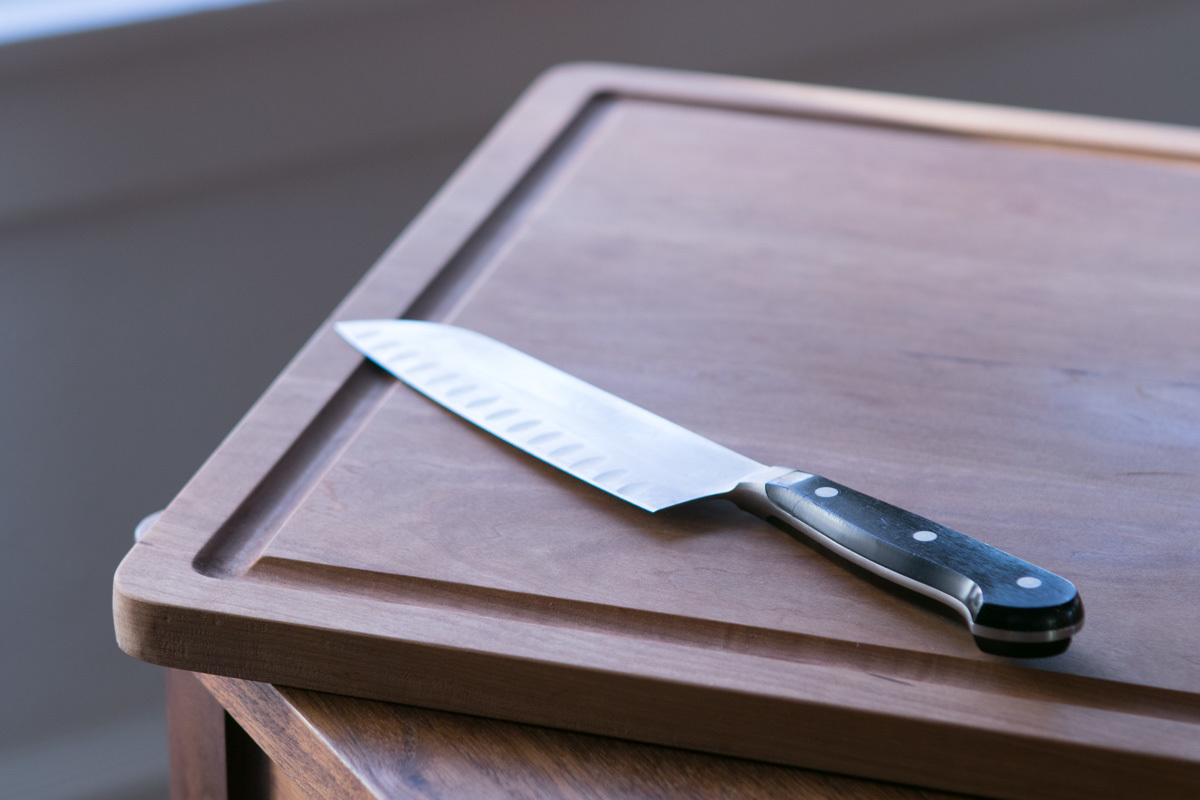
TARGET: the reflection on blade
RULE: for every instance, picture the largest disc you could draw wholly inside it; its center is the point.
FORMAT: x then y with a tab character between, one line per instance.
587	432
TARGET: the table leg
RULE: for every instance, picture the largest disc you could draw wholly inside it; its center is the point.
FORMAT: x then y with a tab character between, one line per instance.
211	756
195	740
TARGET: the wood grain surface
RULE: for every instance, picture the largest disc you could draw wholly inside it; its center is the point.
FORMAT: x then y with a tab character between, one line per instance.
213	758
986	316
339	747
195	740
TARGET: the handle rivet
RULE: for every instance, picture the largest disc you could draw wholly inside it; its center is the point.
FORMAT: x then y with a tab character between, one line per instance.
1029	582
924	536
825	491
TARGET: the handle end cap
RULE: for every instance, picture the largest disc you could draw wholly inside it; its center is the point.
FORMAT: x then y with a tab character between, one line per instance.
997	647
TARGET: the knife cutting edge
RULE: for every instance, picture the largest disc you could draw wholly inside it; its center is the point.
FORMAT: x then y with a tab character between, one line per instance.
1011	607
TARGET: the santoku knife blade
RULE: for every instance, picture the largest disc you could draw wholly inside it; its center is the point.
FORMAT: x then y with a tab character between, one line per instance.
1011	606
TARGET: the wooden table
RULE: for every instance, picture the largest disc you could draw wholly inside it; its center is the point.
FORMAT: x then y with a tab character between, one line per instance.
232	739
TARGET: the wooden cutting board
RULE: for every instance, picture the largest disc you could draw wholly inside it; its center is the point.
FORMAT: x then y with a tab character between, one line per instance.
990	317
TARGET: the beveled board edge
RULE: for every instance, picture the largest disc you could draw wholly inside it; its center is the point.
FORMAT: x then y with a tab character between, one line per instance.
311	410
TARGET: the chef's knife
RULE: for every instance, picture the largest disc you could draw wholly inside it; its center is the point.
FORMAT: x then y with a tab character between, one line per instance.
1011	606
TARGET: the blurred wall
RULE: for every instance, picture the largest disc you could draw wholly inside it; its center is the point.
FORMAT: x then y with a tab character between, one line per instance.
182	202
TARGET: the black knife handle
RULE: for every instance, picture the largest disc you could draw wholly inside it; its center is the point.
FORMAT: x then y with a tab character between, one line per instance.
1012	607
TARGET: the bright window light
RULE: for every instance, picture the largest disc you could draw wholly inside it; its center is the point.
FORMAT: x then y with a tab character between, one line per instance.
30	19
